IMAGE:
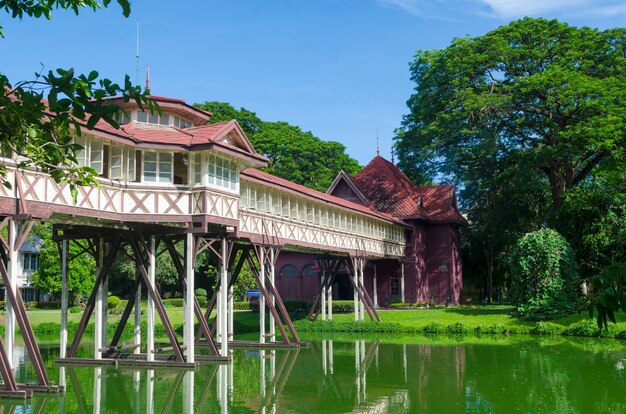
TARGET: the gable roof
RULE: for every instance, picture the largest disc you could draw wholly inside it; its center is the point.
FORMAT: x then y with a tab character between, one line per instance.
388	190
226	137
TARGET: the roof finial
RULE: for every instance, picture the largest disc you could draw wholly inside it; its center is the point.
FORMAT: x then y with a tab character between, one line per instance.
148	79
392	158
137	57
377	144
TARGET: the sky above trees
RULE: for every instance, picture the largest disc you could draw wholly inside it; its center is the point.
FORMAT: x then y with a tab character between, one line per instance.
339	69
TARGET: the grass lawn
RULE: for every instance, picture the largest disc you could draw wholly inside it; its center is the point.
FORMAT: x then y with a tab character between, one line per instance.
406	320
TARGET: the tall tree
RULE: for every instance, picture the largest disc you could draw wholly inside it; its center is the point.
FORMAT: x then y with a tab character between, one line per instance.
551	92
293	154
41	131
517	117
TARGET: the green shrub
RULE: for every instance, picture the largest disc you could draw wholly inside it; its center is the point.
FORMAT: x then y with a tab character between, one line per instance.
53	304
433	328
75	309
3	305
241	306
202	301
200	292
298	305
343	306
546	328
457	328
47	328
113	302
496	328
543	276
174	303
586	327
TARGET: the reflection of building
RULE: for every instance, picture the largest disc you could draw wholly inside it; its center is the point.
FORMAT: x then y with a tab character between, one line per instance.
431	267
28	263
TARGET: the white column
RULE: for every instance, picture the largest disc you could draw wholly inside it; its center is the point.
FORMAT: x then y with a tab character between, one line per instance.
97	339
97	390
362	285
9	333
222	385
64	301
262	389
261	297
231	309
329	293
188	328
331	356
357	369
105	311
150	303
324	357
137	327
188	385
224	298
355	277
375	288
150	391
402	297
272	298
323	294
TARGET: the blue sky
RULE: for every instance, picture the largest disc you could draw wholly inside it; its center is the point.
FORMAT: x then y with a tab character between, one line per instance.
337	68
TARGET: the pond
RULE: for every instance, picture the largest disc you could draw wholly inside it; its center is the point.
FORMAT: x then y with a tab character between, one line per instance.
347	375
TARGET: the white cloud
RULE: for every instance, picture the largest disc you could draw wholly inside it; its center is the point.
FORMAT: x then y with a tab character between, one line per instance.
510	8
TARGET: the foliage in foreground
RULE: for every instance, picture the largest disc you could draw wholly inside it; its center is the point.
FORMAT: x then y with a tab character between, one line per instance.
543	276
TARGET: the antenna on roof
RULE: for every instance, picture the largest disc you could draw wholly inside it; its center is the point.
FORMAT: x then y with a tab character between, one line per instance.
377	144
147	79
137	57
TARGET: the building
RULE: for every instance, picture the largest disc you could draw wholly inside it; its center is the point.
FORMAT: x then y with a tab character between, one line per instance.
431	269
28	263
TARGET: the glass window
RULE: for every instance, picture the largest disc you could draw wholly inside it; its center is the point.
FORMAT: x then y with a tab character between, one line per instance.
142	117
165	167
131	159
96	157
116	162
157	167
81	154
288	270
197	168
308	271
164	119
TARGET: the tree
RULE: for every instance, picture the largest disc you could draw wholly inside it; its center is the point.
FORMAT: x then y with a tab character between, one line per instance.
41	131
293	154
548	91
517	117
81	269
543	275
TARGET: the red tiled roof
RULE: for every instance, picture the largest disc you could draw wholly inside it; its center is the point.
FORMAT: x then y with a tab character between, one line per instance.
390	191
274	181
171	135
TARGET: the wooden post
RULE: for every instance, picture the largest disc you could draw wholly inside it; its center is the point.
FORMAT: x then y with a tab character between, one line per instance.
355	289
150	302
137	327
329	292
223	311
231	307
9	327
261	297
189	302
323	294
402	297
375	287
64	302
97	337
272	297
362	285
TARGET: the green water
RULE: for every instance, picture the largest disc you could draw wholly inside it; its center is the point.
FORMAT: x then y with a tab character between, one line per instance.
394	375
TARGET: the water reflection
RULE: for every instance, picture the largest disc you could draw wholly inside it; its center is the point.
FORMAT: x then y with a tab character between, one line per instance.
356	376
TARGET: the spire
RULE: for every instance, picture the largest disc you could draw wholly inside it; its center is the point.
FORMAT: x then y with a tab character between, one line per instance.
392	156
137	57
148	79
377	144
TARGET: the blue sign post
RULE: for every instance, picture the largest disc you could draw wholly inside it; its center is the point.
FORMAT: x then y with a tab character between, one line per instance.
255	293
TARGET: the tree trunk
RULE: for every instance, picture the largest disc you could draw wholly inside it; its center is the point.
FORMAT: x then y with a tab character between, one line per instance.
489	273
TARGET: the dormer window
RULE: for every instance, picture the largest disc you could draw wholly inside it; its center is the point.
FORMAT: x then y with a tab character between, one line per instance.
162	119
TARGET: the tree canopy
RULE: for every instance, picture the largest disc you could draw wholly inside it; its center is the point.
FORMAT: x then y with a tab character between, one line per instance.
518	118
293	154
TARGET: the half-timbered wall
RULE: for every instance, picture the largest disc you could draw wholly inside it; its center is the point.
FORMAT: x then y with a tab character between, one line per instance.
308	222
